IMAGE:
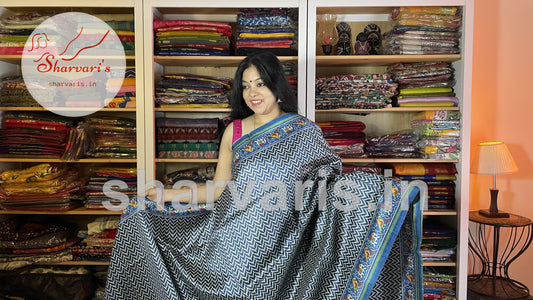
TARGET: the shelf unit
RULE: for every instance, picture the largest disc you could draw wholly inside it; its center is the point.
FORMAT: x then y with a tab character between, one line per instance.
10	64
310	65
214	66
358	13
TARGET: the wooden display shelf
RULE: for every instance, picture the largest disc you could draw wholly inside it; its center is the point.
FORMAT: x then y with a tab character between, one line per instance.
380	60
208	61
15	59
440	212
66	108
387	109
76	263
76	211
54	159
186	160
439	264
193	110
397	160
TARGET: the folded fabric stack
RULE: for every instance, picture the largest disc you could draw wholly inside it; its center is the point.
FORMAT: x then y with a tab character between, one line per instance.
43	187
193	91
439	177
24	242
424	84
345	137
424	30
13	93
187	138
291	73
192	37
25	133
439	283
359	168
267	29
122	87
124	27
198	175
438	242
438	133
97	241
15	30
354	91
113	137
94	190
394	145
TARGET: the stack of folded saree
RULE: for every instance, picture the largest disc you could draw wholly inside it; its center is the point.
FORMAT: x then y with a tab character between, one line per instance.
192	37
439	242
13	92
15	30
394	145
424	30
438	133
94	190
198	175
25	242
361	168
439	283
187	138
43	187
97	240
346	138
124	28
354	91
193	91
439	177
25	133
266	29
424	84
291	73
113	137
122	89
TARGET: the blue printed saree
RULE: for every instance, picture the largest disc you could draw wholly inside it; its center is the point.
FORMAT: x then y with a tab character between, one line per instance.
290	226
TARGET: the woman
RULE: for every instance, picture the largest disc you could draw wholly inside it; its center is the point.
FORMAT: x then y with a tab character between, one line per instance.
286	226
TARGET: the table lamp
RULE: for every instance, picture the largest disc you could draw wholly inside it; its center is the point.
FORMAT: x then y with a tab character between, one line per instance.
493	158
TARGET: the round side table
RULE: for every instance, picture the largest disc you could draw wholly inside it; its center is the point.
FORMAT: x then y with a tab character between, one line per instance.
494	243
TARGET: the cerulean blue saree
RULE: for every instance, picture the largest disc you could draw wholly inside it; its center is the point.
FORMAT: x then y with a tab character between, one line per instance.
288	226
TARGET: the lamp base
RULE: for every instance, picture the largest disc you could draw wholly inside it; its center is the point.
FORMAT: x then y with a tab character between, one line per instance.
493	214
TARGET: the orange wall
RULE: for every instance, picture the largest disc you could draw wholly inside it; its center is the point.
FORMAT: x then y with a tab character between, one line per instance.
502	107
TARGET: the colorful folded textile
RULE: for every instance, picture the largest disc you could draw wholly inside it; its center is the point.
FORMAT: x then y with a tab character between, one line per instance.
424	169
418	30
113	137
398	145
26	133
187	137
189	89
191	37
266	29
354	91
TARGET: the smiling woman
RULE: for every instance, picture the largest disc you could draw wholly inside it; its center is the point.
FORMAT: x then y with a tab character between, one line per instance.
278	230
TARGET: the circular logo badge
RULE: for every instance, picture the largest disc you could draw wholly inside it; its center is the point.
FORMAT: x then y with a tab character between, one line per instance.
73	64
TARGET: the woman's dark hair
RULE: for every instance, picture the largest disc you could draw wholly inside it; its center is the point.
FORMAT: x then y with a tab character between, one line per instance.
272	74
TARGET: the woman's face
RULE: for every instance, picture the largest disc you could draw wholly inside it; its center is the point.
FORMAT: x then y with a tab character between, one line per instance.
256	94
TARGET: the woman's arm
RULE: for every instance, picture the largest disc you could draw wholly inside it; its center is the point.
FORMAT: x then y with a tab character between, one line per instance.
222	176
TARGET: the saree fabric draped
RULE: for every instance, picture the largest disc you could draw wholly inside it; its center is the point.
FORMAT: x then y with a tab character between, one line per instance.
255	245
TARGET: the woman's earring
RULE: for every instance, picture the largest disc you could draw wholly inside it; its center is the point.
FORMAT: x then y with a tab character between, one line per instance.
279	100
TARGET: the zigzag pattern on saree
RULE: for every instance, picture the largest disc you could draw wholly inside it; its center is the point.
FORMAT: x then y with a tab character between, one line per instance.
251	253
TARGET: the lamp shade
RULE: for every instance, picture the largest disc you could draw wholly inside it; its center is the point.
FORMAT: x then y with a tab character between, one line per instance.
492	158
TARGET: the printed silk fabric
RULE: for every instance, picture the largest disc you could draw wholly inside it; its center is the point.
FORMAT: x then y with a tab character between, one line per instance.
256	253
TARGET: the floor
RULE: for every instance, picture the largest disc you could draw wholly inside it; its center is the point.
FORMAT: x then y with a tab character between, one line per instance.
474	296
